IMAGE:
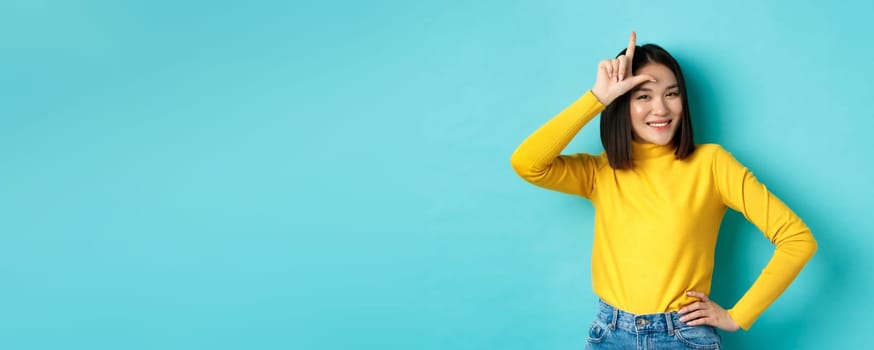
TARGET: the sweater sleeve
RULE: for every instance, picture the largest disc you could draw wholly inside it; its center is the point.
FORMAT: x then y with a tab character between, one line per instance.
794	242
537	159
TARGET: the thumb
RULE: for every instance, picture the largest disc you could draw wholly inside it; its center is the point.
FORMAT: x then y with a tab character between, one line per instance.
640	79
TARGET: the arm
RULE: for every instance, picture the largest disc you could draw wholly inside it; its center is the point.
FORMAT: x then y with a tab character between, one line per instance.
537	159
794	242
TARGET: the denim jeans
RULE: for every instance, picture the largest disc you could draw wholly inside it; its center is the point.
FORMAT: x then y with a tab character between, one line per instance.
617	329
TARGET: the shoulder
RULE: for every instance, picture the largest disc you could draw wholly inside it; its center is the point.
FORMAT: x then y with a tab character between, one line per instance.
596	161
710	152
601	160
710	149
718	158
713	157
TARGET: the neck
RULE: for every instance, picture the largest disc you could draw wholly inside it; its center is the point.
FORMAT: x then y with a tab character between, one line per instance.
641	151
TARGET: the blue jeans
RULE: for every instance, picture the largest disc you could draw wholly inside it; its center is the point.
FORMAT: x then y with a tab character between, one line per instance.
617	329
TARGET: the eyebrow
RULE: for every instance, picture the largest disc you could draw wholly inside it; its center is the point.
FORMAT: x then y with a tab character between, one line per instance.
672	86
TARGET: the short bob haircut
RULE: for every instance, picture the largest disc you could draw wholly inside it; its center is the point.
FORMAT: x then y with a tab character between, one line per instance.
616	132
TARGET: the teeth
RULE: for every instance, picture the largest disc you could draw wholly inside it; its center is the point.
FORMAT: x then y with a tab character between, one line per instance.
658	125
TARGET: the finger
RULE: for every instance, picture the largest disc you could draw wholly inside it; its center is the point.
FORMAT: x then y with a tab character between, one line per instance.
615	64
691	307
623	61
632	43
698	295
609	65
640	79
602	69
702	321
694	316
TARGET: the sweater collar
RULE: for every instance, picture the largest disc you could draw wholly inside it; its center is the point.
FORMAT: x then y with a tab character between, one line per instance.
650	150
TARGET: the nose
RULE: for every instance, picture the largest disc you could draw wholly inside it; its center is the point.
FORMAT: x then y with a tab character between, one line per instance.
659	107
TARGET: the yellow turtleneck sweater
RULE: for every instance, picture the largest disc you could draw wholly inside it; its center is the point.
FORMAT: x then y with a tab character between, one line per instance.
656	224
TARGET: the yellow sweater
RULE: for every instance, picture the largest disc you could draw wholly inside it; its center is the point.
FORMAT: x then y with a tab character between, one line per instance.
656	224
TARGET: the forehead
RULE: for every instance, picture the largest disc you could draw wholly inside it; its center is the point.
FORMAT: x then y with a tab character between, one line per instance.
664	76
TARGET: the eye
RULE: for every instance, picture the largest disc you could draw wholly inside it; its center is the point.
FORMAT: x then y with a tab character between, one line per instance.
673	94
642	97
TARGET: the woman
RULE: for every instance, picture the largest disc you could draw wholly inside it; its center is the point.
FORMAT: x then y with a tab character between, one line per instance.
659	200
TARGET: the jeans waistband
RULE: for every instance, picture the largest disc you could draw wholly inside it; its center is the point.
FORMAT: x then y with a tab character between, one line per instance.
647	323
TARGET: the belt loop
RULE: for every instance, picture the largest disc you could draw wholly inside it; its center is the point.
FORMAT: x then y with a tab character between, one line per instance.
670	322
615	318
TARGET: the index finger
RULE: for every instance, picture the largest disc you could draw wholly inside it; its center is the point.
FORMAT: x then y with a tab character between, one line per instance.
698	295
631	44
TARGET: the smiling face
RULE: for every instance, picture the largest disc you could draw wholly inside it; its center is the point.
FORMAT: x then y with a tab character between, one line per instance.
656	108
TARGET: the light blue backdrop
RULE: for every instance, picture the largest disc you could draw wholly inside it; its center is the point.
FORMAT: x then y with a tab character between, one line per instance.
335	174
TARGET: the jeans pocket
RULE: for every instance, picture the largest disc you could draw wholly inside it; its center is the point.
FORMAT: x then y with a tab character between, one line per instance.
597	332
699	337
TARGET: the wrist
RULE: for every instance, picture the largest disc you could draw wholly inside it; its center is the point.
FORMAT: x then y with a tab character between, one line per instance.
602	97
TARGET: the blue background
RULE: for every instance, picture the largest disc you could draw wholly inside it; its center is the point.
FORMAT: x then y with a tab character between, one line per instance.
335	174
